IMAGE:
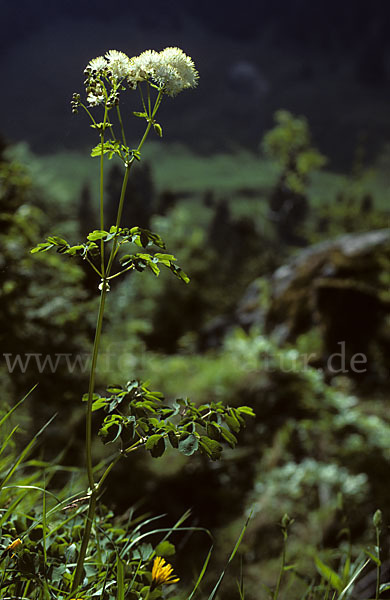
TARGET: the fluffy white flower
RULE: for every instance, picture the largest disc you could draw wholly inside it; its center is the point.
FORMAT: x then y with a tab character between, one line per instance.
118	63
143	66
182	64
97	65
171	70
167	78
95	99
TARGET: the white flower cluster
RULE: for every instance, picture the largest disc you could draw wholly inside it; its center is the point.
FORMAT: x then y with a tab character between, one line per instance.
171	70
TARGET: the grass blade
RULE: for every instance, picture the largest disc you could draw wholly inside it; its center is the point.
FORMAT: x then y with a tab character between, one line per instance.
9	413
215	590
120	578
201	574
24	453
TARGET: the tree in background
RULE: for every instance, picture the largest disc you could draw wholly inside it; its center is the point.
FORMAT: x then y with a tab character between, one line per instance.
289	143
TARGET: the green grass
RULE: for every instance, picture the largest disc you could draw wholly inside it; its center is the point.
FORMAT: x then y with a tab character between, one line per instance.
179	170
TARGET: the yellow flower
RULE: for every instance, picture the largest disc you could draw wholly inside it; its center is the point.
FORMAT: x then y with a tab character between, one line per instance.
162	573
15	544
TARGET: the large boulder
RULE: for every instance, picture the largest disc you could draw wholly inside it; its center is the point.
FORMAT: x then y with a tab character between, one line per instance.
342	288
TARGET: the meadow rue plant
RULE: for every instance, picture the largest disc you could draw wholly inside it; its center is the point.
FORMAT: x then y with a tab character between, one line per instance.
133	415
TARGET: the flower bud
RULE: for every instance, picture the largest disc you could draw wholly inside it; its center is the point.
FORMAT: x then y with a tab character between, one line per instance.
377	518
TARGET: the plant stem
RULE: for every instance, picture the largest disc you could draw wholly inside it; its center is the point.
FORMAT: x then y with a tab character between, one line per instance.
118	218
88	444
121	272
378	565
113	463
124	186
283	564
84	544
147	595
93	267
91	386
101	204
118	112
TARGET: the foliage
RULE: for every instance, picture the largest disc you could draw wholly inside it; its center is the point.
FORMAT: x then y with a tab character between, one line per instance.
316	447
138	412
65	560
53	324
290	144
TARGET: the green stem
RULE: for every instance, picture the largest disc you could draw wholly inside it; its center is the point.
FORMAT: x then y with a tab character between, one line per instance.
121	272
149	105
101	201
118	218
118	112
124	186
142	98
88	113
91	387
105	274
93	267
378	565
115	461
88	444
148	594
84	544
276	593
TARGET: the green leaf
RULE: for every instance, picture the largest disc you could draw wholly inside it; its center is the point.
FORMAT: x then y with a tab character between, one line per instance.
373	557
109	422
210	447
109	148
155	444
328	574
173	439
188	444
57	241
84	397
228	437
101	126
140	114
72	250
158	129
213	431
98	404
164	258
126	259
179	273
114	389
232	422
42	247
71	553
97	235
120	579
246	410
165	549
144	551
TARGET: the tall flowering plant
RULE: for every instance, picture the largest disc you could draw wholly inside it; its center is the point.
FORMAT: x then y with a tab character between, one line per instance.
133	416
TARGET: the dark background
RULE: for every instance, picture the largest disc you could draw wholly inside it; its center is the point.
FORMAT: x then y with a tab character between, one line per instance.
327	60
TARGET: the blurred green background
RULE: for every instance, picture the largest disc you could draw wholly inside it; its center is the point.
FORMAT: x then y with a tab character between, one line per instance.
282	224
